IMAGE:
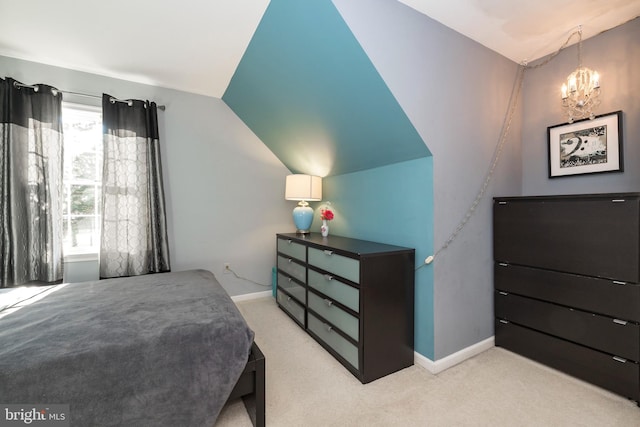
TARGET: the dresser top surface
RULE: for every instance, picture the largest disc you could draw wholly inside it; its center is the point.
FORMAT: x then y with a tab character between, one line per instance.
346	244
599	196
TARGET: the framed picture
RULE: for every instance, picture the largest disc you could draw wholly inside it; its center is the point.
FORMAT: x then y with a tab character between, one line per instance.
586	146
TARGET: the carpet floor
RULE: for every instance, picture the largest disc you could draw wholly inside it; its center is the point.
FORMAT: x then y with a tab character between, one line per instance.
306	386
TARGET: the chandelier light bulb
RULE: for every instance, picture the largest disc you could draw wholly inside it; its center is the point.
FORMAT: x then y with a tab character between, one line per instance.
572	84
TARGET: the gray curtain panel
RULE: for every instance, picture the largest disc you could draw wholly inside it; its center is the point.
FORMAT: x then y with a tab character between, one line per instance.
134	227
31	145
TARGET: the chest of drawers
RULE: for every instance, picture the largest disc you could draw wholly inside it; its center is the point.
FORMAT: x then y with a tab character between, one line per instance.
355	297
567	284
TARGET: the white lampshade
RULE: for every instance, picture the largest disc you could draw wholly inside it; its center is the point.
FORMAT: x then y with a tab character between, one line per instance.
303	187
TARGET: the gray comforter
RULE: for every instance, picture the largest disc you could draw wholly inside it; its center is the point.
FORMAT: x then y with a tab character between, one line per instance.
156	350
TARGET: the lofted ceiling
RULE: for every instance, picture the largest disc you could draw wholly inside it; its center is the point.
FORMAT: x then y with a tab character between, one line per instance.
196	45
526	30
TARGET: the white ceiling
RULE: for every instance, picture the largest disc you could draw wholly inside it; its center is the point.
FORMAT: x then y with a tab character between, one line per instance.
526	30
196	45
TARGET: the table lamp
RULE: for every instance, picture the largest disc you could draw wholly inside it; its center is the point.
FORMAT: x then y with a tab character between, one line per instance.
303	188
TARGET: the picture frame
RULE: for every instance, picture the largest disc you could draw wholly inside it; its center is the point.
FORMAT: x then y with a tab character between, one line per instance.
586	146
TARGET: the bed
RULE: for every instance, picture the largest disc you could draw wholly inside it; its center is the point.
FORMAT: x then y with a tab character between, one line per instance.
163	349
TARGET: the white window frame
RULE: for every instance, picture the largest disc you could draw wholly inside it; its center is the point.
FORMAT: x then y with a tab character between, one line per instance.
83	253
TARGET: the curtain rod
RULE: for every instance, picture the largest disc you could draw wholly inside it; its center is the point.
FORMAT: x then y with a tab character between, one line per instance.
35	88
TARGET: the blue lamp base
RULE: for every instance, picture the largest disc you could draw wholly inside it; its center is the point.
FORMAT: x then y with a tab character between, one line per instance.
302	218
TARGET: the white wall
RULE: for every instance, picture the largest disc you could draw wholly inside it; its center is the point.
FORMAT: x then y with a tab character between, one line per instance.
224	188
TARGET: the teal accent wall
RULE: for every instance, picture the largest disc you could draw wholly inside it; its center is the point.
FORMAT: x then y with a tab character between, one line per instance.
310	93
391	204
307	89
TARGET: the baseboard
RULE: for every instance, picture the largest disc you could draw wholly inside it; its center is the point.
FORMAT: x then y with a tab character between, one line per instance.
253	295
453	359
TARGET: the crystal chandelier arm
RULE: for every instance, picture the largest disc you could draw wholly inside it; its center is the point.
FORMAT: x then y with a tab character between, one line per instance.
581	92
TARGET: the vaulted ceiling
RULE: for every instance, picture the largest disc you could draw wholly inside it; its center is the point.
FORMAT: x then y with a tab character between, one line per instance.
196	45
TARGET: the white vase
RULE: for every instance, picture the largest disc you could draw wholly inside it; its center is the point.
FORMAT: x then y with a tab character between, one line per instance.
324	228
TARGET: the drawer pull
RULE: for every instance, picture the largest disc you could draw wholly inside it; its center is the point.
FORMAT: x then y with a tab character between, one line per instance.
328	277
618	200
329	328
502	264
503	293
289	241
328	253
506	322
620	322
617	282
502	203
288	299
619	359
328	302
289	260
289	279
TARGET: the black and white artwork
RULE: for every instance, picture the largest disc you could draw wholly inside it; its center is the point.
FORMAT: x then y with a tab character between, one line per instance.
583	147
586	146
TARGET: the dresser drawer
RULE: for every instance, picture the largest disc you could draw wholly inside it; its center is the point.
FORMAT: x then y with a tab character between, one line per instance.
337	342
599	332
590	365
292	268
602	296
589	235
293	288
339	265
335	315
290	305
292	249
335	289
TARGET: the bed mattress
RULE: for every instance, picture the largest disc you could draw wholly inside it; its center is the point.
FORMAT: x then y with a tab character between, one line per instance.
155	350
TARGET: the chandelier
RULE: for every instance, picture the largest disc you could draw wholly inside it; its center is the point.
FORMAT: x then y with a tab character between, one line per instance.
581	92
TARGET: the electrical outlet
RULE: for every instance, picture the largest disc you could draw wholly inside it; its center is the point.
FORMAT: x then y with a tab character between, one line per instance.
227	267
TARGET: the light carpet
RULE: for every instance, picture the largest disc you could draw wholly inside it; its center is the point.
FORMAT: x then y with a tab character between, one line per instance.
306	386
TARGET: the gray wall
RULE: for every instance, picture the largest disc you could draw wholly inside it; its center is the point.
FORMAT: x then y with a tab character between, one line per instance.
455	91
615	54
224	188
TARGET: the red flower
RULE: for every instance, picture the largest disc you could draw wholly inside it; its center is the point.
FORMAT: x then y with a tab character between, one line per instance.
326	214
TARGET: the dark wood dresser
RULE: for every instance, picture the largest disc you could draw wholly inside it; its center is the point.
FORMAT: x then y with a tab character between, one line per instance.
354	297
567	284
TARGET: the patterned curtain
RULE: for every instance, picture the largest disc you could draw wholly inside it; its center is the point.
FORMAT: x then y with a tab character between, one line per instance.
31	146
134	231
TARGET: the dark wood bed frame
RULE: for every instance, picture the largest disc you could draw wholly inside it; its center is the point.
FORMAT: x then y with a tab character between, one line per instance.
251	387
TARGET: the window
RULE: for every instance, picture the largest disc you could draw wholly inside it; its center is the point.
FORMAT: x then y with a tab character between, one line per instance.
82	127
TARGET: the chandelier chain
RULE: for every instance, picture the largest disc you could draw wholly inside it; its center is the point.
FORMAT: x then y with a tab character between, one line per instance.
506	127
580	46
513	102
557	52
